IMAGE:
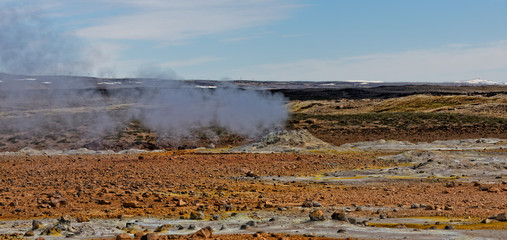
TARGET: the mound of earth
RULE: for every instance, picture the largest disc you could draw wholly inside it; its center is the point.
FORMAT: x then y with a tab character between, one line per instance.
288	141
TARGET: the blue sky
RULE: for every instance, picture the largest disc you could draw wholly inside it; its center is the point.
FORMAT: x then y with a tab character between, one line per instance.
319	40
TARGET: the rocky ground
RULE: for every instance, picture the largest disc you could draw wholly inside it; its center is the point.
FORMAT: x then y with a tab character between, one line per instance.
279	193
440	173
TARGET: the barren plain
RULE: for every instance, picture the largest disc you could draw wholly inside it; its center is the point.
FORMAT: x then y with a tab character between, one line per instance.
394	163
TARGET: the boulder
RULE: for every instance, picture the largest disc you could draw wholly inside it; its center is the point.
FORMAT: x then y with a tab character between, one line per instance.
317	215
340	216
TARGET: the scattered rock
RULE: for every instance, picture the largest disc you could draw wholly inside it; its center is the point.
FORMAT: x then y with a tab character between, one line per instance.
82	219
150	236
181	203
311	204
487	220
317	215
415	205
163	228
104	202
341	216
251	174
449	227
501	217
205	232
352	220
123	236
65	220
132	204
36	224
197	215
29	234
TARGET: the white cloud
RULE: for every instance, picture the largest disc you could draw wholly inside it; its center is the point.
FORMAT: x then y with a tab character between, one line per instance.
449	63
176	20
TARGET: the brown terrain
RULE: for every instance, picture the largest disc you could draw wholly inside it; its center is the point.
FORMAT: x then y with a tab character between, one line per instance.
214	185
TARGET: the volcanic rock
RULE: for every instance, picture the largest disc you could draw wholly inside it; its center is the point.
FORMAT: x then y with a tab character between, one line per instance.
36	224
205	232
197	215
317	215
163	228
501	217
82	219
132	204
123	236
150	236
340	216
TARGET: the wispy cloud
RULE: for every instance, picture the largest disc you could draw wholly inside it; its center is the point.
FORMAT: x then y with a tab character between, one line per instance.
175	20
448	63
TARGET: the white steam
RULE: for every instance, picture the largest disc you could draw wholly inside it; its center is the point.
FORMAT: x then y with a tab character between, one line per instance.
56	105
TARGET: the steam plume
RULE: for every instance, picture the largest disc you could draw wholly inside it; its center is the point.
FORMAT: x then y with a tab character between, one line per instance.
49	107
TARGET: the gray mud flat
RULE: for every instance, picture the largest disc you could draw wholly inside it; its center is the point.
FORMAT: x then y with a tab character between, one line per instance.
263	221
461	160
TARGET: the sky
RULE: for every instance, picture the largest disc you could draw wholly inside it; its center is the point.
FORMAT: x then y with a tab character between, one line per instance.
277	40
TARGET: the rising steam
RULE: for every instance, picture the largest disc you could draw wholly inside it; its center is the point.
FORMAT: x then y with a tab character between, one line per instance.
56	104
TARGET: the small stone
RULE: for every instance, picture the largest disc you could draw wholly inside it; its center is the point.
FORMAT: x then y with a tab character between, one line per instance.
29	234
132	204
123	236
216	217
150	236
163	228
415	205
191	227
251	174
317	215
251	223
449	227
486	220
65	220
82	219
197	215
307	204
181	203
243	227
205	232
36	224
430	207
341	216
104	202
501	217
341	231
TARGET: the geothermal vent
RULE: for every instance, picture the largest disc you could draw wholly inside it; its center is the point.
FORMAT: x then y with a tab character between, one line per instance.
288	141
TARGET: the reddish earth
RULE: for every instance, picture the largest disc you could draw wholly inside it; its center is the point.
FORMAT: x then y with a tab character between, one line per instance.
172	185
